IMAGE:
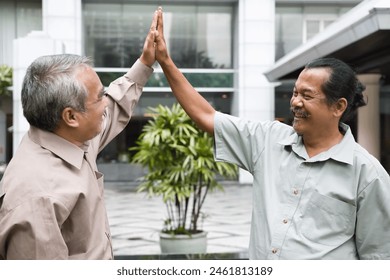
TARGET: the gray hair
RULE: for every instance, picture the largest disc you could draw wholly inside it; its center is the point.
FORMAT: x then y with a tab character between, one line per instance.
50	86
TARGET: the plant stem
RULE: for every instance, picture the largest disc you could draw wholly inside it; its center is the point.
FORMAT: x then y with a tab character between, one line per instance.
185	211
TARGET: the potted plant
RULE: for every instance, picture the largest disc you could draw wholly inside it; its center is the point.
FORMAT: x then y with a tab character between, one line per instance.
182	170
5	80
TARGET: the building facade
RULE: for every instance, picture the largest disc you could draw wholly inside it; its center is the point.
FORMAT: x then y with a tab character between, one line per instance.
223	47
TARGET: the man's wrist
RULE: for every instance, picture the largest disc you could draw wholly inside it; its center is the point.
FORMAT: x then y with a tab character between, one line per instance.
145	61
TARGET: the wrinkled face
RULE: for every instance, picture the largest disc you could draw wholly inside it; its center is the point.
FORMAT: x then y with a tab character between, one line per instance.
308	103
91	121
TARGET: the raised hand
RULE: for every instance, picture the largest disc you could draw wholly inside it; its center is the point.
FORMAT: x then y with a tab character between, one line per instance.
148	56
161	46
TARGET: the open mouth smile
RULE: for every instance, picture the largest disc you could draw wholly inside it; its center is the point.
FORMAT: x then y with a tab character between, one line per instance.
299	114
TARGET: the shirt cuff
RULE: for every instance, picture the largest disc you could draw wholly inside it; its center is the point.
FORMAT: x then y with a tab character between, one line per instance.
139	73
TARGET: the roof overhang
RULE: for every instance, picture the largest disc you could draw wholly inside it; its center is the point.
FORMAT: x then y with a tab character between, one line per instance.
361	38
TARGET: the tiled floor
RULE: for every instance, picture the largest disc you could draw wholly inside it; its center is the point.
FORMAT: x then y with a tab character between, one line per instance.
136	220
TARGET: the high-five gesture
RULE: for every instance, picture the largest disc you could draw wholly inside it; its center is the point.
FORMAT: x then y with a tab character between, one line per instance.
192	102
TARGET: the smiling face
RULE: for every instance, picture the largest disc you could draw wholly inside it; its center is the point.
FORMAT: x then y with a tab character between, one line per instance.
91	121
312	114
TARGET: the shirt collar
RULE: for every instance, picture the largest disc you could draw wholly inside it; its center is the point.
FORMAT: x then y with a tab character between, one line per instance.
342	152
62	148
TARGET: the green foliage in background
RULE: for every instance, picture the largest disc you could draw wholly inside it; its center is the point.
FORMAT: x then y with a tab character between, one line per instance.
5	79
181	166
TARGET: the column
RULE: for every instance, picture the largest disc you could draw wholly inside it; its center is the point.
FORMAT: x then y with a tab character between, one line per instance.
62	21
368	116
254	95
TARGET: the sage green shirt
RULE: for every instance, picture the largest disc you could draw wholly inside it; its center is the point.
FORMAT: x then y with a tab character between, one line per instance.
51	195
335	205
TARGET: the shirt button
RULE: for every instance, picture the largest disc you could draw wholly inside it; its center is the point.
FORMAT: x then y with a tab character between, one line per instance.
295	191
285	221
274	250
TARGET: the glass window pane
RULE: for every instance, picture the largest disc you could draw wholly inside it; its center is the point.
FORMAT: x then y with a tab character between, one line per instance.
197	37
28	16
327	23
17	19
288	29
114	33
312	28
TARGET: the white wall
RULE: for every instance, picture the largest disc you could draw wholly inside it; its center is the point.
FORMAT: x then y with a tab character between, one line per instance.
254	95
62	21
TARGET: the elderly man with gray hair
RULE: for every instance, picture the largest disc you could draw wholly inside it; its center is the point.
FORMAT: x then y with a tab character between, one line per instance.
51	195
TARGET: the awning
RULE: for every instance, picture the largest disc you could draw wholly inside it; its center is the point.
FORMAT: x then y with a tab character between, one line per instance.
361	38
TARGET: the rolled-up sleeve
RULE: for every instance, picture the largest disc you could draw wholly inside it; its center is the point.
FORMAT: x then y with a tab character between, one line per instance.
373	220
124	94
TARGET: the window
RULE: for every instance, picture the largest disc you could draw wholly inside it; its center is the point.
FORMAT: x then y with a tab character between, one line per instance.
17	19
198	36
296	23
314	24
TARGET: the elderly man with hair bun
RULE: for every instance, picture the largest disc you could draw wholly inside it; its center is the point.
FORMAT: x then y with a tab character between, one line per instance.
317	194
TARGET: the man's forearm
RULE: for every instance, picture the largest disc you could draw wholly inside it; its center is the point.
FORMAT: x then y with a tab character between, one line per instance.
192	102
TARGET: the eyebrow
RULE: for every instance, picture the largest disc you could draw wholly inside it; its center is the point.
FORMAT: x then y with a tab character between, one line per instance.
305	91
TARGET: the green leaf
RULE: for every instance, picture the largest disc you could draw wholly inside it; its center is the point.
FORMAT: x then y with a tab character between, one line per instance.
5	79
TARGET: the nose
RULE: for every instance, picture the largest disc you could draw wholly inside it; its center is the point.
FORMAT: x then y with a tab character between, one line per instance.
296	101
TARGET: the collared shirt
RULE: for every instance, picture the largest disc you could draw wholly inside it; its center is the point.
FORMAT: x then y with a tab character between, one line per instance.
335	205
52	204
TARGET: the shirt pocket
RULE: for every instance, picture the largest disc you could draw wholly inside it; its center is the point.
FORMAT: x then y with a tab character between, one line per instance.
327	220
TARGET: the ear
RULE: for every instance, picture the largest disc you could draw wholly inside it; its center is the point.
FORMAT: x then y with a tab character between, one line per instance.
340	107
70	117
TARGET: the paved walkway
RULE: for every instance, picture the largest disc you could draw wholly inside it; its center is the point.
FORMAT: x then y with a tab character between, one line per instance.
135	220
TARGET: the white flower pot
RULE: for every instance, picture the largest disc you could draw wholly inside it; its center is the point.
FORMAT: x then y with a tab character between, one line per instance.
183	244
